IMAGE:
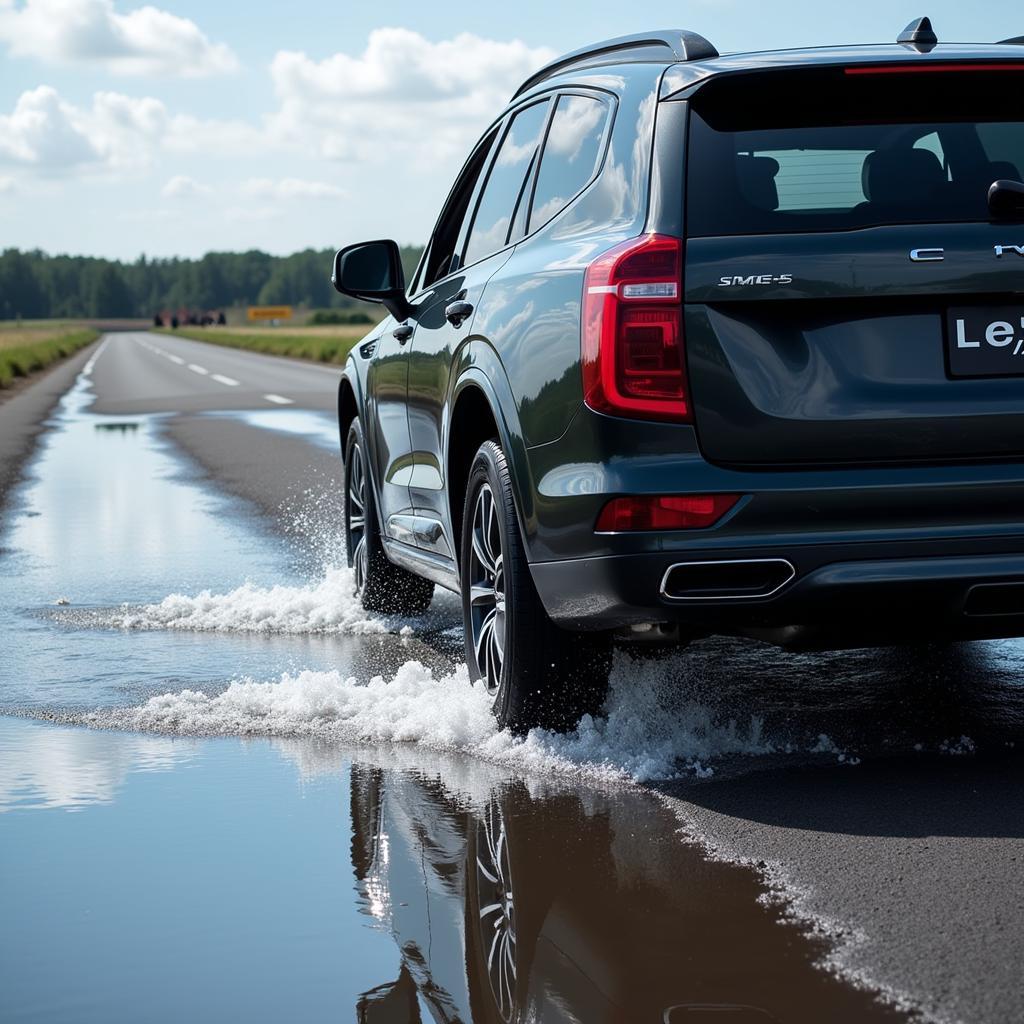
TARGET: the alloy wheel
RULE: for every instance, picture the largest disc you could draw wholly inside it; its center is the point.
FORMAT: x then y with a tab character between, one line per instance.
356	518
487	590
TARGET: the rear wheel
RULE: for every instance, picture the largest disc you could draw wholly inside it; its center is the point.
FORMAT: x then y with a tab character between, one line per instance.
536	673
381	586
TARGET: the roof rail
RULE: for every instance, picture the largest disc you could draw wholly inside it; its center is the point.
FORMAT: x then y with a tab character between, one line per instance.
674	44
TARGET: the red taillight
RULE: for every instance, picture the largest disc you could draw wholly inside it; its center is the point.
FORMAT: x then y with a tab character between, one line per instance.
632	331
923	69
664	512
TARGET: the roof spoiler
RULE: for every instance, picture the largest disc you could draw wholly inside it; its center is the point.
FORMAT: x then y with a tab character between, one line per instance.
671	44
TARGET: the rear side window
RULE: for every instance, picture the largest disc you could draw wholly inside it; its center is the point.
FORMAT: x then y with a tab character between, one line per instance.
571	155
853	153
506	183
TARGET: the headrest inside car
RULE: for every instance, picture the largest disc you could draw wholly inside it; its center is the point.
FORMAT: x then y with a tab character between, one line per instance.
755	176
1002	170
901	176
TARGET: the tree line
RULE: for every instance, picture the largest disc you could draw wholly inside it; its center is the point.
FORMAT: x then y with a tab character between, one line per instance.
35	285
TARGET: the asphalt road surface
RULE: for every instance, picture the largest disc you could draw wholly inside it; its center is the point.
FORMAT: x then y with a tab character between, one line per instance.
873	798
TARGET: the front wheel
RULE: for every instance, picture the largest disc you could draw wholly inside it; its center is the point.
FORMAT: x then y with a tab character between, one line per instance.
380	585
537	674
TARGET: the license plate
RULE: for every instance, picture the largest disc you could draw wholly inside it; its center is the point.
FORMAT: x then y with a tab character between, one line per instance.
986	341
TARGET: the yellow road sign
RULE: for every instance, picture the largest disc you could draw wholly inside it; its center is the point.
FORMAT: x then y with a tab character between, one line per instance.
269	312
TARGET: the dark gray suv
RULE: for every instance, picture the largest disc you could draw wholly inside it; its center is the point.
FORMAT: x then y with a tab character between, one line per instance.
705	344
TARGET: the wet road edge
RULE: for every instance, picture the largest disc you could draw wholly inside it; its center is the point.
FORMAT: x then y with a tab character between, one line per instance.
23	417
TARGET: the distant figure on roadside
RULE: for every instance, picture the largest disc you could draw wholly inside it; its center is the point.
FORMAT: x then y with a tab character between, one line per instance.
174	323
221	319
158	320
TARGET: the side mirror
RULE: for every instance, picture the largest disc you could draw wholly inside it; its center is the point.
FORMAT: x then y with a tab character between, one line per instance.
372	272
1006	200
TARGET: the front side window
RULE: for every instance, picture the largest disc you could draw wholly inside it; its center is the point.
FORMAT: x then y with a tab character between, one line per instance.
506	183
441	250
571	154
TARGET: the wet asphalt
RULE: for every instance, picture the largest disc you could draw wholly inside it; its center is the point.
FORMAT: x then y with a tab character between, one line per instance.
879	812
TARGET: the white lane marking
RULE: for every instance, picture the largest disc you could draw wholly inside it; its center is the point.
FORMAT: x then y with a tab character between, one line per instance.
278	399
218	377
87	369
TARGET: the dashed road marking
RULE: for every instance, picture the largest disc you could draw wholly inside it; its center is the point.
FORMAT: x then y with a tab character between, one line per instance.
221	379
198	369
278	399
174	359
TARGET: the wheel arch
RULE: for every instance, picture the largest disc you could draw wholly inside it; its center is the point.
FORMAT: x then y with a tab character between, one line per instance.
348	405
482	408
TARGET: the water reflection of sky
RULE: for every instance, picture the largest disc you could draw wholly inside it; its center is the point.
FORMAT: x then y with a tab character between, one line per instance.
42	767
221	890
319	428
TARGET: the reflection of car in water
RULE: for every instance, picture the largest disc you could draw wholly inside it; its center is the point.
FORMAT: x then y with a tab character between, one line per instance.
527	911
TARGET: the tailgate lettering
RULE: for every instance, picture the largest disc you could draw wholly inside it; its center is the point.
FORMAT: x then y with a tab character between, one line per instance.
998	334
961	337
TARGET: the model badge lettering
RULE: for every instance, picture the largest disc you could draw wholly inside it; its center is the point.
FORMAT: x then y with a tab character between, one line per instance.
752	279
1001	249
998	334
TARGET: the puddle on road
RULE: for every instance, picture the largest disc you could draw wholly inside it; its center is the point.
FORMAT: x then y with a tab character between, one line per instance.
319	428
218	879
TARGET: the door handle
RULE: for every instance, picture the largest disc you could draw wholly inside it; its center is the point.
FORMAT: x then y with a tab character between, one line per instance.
403	332
458	311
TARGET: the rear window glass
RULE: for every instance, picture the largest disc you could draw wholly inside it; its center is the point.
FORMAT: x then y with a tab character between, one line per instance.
878	163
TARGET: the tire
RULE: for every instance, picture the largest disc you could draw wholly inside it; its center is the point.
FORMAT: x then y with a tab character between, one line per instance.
380	585
538	675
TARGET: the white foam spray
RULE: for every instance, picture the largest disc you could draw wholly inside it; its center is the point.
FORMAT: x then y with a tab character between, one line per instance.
638	739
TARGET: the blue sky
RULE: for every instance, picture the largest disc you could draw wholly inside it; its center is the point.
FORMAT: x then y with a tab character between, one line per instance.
174	127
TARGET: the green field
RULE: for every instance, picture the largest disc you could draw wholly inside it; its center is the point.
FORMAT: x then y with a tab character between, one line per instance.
330	344
25	350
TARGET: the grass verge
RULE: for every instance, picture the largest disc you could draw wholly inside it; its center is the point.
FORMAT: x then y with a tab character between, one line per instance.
320	344
27	350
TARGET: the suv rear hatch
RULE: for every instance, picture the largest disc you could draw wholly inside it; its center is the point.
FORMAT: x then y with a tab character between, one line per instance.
849	297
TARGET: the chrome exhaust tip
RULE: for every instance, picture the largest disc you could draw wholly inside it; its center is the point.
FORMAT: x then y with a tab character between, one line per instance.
730	580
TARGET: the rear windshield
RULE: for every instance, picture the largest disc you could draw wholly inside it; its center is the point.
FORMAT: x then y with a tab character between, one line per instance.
783	162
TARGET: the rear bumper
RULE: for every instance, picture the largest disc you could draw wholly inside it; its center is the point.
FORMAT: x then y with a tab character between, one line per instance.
879	552
833	600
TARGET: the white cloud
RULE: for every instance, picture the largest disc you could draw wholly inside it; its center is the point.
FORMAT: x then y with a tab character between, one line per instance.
183	187
116	133
401	83
41	130
145	41
6	185
251	214
290	188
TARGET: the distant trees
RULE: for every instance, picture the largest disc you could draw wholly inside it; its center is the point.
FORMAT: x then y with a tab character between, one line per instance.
35	285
